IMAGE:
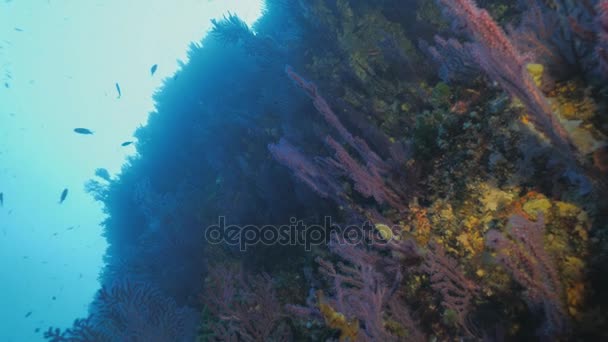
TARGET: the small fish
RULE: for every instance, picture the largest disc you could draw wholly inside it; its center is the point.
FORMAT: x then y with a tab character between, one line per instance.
153	69
126	143
54	298
28	314
18	29
1	199
70	228
37	330
6	85
64	194
118	90
81	130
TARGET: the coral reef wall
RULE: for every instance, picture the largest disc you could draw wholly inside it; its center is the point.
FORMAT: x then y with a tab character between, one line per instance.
463	144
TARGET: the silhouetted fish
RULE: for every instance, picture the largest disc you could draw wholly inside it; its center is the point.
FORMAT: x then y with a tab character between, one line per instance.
126	143
1	199
64	194
118	90
81	130
28	314
153	69
18	29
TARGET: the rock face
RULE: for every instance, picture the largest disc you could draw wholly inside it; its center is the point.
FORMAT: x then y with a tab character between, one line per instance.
370	190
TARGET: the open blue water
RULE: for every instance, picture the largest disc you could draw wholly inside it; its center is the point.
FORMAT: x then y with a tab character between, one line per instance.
59	62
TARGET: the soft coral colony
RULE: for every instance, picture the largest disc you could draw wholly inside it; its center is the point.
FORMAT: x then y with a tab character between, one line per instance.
471	146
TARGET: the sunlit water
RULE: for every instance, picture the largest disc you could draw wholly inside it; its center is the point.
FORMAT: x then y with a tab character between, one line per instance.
59	63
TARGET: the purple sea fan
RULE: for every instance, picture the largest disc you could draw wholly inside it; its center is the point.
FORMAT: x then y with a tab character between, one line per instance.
523	255
131	311
602	45
456	63
371	175
504	64
305	169
81	331
363	292
547	35
457	291
139	312
246	309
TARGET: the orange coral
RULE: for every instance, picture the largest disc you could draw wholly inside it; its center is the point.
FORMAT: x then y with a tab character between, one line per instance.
517	207
336	320
421	223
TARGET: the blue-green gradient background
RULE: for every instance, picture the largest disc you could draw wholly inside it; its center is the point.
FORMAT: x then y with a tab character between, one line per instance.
60	61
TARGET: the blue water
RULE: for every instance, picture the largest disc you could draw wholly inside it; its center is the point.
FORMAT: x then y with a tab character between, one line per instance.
59	63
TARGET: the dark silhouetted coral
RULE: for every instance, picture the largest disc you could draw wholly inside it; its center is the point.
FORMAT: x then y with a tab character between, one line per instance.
244	308
131	311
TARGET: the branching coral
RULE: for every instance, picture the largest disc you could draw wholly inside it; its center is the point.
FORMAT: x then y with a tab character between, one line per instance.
365	303
81	331
243	309
545	34
504	64
525	257
131	311
457	292
231	29
455	60
371	179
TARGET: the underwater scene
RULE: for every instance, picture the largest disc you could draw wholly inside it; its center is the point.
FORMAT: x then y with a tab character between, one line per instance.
308	170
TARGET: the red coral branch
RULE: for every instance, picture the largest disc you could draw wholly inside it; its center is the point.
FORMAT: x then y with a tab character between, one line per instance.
368	179
525	257
307	171
456	290
503	63
370	175
362	292
247	309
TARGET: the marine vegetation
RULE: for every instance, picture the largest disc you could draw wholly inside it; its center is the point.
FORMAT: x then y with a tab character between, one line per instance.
394	170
